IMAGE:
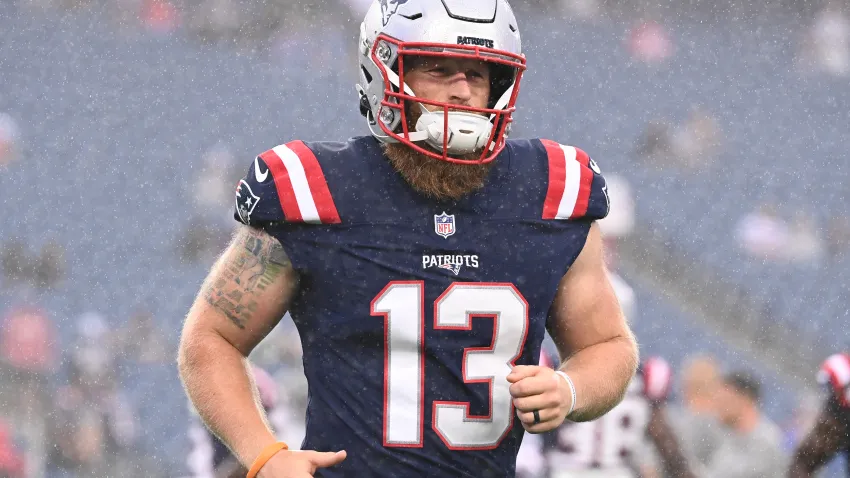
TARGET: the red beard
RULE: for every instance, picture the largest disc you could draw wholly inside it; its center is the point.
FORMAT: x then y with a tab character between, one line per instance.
432	177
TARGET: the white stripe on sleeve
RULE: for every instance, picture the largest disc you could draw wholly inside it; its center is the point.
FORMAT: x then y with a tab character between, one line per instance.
303	194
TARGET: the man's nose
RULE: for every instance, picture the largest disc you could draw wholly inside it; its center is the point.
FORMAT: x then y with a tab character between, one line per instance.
461	91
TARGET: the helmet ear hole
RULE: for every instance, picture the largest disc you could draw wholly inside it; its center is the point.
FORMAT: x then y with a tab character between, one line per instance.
365	109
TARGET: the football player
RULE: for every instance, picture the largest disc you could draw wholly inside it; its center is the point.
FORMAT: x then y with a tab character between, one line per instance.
422	265
614	445
831	433
750	446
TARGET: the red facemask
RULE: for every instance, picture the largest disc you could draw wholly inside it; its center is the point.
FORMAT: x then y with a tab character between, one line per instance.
499	112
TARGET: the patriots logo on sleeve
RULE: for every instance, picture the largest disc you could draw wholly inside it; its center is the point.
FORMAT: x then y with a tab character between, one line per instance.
246	201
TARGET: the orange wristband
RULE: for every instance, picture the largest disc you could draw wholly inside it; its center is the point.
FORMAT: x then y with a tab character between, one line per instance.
266	455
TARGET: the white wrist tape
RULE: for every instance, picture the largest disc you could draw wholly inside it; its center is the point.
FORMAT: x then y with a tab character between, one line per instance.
572	390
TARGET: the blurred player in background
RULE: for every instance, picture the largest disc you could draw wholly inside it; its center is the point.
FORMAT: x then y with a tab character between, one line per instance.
694	421
422	264
615	445
688	433
752	445
831	433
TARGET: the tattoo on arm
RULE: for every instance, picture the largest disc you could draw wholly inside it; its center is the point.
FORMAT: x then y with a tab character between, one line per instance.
258	261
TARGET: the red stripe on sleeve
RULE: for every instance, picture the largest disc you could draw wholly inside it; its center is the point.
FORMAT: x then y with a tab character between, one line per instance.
557	173
283	184
582	157
583	199
318	184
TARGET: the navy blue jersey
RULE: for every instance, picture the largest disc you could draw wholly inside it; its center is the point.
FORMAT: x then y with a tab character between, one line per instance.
411	310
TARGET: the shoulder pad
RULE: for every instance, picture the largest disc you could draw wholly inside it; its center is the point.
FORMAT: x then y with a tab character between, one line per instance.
835	371
576	186
285	184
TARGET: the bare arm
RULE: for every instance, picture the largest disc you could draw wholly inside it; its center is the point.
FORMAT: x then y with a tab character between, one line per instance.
245	295
589	329
819	446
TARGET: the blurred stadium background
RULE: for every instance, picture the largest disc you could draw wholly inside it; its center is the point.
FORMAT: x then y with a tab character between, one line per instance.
124	125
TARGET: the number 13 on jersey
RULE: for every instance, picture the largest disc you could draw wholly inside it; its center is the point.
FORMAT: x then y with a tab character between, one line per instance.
402	305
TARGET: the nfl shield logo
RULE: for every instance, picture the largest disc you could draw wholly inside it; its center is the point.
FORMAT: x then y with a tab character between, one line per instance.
444	225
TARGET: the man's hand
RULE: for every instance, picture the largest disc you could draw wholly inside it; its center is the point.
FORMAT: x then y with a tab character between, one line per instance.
299	464
541	389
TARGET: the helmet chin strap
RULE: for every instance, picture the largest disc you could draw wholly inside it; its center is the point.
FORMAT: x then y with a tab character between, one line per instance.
467	132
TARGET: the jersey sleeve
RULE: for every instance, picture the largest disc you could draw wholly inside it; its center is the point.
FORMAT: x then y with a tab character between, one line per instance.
285	184
835	372
576	189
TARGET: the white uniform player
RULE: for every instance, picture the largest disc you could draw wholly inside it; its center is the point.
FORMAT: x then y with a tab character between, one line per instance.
613	446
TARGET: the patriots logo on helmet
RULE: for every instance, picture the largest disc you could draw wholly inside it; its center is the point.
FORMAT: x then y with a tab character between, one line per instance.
246	201
389	7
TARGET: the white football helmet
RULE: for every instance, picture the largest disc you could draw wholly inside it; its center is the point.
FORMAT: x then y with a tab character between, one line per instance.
395	30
